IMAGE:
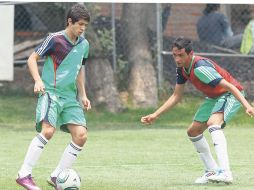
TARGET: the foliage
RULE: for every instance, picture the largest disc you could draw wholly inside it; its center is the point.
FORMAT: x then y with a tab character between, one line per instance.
106	41
100	39
122	73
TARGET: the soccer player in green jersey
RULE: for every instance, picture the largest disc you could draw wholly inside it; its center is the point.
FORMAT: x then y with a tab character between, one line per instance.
59	87
224	96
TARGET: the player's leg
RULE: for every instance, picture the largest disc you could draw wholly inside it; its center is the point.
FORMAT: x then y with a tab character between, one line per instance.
45	122
195	133
220	144
73	149
224	109
73	121
33	154
71	152
219	141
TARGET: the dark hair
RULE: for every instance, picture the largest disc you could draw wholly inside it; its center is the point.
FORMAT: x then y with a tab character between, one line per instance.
78	12
210	8
183	43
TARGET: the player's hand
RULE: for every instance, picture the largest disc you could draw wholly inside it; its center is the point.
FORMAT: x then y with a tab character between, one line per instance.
86	103
250	111
149	119
39	87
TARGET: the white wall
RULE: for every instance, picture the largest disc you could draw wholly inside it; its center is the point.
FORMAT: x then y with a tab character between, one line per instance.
6	42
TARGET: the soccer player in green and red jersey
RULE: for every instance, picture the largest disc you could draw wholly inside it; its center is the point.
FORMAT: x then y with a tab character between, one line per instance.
61	83
224	96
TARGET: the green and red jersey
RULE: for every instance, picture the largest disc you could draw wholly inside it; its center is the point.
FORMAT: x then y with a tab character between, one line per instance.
63	60
205	75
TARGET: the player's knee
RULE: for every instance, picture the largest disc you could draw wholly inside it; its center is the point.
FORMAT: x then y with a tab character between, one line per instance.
81	137
48	131
193	132
48	134
189	132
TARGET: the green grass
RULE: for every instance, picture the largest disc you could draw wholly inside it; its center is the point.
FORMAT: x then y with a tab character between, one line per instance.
122	154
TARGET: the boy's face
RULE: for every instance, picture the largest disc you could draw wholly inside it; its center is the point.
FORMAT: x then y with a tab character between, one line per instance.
182	59
78	27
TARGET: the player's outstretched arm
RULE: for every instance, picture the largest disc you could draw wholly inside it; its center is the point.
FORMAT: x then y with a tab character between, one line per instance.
238	95
171	102
33	68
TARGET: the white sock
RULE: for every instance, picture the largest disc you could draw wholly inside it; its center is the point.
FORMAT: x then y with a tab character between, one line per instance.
220	145
203	149
33	154
69	156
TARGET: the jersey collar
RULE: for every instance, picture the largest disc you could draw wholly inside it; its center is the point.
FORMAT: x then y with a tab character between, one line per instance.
69	40
189	69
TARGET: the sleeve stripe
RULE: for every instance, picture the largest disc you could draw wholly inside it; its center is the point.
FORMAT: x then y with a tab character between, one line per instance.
44	45
46	42
206	72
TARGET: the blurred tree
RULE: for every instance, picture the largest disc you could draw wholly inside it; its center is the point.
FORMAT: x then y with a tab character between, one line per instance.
142	78
100	79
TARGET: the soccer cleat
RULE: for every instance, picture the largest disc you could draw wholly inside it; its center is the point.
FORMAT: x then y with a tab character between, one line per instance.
27	182
52	181
222	177
204	178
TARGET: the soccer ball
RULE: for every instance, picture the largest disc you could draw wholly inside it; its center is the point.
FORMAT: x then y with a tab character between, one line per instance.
68	179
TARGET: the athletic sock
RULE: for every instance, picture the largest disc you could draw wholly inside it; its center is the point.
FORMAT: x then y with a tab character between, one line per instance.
203	149
33	154
69	156
220	145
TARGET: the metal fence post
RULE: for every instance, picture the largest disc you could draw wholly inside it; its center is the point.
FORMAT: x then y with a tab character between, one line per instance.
159	45
113	35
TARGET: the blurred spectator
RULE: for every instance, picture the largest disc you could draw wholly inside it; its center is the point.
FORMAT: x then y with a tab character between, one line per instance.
165	15
247	46
213	27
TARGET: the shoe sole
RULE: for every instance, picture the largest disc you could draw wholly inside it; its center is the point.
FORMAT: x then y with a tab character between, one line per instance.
218	181
201	183
24	186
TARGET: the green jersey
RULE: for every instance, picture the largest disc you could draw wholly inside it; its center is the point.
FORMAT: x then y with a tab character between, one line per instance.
63	63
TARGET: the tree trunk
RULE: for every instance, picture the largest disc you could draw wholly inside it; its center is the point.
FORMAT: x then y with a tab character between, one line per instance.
142	83
101	86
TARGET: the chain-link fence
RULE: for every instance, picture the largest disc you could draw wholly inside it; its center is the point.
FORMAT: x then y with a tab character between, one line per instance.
216	30
32	23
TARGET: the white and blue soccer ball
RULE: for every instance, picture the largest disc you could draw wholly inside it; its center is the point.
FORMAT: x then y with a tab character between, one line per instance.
68	179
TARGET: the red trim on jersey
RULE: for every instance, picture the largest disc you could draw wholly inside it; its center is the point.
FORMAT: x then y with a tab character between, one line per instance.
211	92
55	67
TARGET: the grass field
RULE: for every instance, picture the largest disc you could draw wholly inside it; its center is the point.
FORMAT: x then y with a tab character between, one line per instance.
121	154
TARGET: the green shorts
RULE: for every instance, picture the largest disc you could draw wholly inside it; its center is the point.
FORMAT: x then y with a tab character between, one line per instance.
59	112
226	104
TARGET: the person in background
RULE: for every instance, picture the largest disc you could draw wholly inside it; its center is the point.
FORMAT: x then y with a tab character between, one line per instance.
166	11
213	27
247	46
